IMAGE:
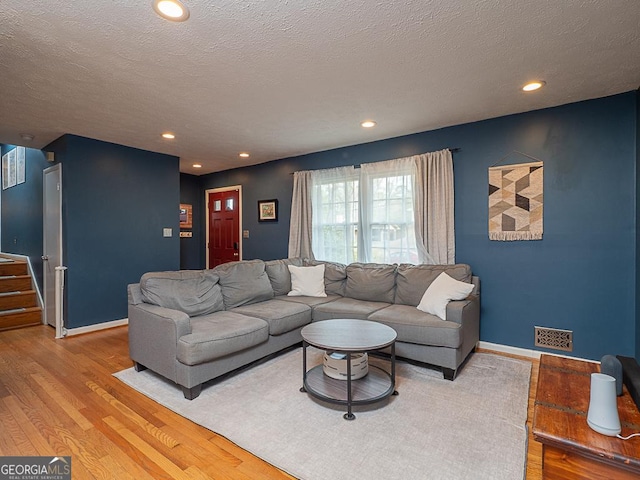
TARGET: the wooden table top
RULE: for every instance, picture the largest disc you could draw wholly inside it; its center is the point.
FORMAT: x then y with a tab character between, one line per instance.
560	415
348	335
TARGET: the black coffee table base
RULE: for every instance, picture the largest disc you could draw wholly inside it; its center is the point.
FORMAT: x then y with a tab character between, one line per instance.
377	385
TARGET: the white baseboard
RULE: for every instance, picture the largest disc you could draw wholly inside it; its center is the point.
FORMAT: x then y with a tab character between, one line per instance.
523	352
94	328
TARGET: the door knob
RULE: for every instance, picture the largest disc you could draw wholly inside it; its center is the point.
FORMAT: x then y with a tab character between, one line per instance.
45	257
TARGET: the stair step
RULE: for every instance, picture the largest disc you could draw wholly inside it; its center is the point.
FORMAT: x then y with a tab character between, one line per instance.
21	317
12	311
11	300
15	283
13	268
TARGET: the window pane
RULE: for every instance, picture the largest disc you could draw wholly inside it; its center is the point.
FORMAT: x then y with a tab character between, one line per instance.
392	226
335	221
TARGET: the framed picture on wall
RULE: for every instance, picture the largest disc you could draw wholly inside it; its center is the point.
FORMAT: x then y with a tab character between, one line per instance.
5	171
268	210
12	168
186	215
9	169
20	165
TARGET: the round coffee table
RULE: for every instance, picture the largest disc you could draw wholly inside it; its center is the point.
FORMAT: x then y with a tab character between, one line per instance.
349	336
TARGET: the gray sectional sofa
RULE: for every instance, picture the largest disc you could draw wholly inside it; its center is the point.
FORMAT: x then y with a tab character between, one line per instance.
193	326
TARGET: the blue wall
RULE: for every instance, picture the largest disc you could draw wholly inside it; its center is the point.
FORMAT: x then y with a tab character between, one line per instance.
116	202
22	212
581	276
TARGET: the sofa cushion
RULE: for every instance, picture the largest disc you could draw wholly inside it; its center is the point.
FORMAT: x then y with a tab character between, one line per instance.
346	308
413	280
372	282
307	281
279	275
441	291
335	278
414	326
282	317
244	283
219	334
311	301
194	292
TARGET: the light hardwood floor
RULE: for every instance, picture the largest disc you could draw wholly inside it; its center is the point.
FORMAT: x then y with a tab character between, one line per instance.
58	397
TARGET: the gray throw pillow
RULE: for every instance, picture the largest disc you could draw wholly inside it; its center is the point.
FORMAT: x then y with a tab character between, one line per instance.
194	292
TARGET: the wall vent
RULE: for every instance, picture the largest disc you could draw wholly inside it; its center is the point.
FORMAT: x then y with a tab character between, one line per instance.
554	338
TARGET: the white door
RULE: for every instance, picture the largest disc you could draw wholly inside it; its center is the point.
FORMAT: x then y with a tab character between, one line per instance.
52	238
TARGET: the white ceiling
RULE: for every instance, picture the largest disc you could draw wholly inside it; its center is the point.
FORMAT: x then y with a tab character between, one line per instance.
280	78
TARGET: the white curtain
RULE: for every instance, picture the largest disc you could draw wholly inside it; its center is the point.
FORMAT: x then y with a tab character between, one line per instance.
334	195
300	229
396	211
433	206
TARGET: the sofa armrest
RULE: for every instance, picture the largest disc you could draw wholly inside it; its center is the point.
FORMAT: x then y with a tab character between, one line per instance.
134	294
476	285
464	311
153	336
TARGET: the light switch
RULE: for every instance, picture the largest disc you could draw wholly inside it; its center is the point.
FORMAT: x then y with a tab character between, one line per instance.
245	234
167	232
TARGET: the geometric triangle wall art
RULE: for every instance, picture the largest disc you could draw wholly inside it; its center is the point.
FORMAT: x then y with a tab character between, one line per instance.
515	202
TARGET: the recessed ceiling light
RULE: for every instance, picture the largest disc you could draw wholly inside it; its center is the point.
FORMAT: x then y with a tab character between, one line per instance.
197	165
531	86
173	10
26	137
368	124
168	135
244	155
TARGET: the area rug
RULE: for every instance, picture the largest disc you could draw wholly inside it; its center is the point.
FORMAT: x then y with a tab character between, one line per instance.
473	427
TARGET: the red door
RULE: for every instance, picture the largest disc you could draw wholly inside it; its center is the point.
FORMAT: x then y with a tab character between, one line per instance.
224	227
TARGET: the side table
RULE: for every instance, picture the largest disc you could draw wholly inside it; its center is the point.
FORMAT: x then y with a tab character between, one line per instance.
570	448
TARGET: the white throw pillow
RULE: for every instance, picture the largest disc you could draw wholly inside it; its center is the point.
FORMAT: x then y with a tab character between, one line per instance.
441	291
307	281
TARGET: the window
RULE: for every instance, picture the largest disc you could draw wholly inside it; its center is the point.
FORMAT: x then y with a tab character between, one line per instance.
393	211
364	215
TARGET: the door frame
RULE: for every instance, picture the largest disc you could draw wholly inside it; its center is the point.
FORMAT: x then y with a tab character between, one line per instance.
206	208
57	167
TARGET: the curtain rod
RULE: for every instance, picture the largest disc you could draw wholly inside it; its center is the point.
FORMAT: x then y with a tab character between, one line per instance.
452	150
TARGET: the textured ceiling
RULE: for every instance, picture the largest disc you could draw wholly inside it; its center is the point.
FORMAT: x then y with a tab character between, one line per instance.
280	78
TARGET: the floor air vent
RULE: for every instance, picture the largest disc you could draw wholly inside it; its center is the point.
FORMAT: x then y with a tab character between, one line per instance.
554	338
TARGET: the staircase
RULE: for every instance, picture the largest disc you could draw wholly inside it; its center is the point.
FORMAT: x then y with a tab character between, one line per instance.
18	300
